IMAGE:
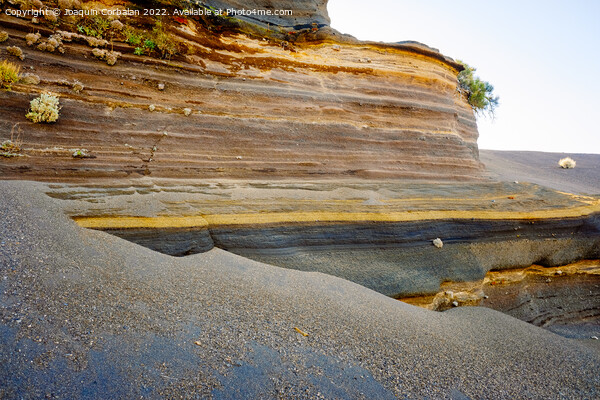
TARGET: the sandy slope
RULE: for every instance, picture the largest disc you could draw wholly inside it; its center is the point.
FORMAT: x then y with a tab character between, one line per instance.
87	315
542	168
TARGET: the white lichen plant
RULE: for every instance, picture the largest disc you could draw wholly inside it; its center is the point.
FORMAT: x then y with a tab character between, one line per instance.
44	109
567	163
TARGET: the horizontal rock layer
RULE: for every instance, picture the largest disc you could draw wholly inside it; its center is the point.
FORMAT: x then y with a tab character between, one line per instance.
374	234
563	299
567	295
257	110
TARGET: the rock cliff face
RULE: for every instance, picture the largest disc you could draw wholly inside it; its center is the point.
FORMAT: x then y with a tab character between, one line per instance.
378	234
304	13
296	103
231	105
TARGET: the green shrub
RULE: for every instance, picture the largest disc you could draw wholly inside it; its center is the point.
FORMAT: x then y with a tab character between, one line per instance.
9	74
149	44
479	94
163	41
132	37
80	153
94	26
44	109
138	51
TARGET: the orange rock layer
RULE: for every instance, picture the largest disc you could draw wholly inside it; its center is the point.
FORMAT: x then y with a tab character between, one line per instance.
257	109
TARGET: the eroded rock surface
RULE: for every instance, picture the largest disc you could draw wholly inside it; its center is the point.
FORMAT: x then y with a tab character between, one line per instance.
377	234
304	14
232	106
562	299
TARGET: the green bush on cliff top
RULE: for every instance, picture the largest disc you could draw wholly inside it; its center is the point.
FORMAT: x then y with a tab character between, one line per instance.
480	94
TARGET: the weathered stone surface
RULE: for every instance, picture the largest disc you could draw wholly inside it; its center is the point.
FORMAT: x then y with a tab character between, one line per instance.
257	110
561	299
304	12
378	234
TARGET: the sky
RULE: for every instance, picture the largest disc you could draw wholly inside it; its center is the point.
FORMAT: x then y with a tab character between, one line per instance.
543	58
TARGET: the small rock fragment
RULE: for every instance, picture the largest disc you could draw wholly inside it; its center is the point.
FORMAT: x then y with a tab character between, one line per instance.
161	86
455	303
437	242
187	112
151	107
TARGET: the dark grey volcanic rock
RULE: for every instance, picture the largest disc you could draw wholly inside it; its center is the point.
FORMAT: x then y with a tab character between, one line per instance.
304	12
542	168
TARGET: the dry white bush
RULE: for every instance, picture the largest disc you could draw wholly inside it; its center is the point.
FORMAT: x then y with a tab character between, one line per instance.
117	25
15	51
109	56
44	108
30	79
567	163
32	38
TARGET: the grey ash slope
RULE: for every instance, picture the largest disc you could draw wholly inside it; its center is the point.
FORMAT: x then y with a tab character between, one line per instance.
84	314
542	168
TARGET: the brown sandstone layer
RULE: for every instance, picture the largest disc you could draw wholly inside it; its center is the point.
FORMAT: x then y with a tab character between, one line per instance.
259	109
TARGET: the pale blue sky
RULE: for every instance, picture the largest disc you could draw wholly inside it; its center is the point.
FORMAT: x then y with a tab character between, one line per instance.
543	58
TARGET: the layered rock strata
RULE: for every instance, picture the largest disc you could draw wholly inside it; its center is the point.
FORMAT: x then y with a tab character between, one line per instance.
377	235
562	299
237	107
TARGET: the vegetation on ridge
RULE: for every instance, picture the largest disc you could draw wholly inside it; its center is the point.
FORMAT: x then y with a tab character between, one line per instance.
479	93
9	74
44	108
